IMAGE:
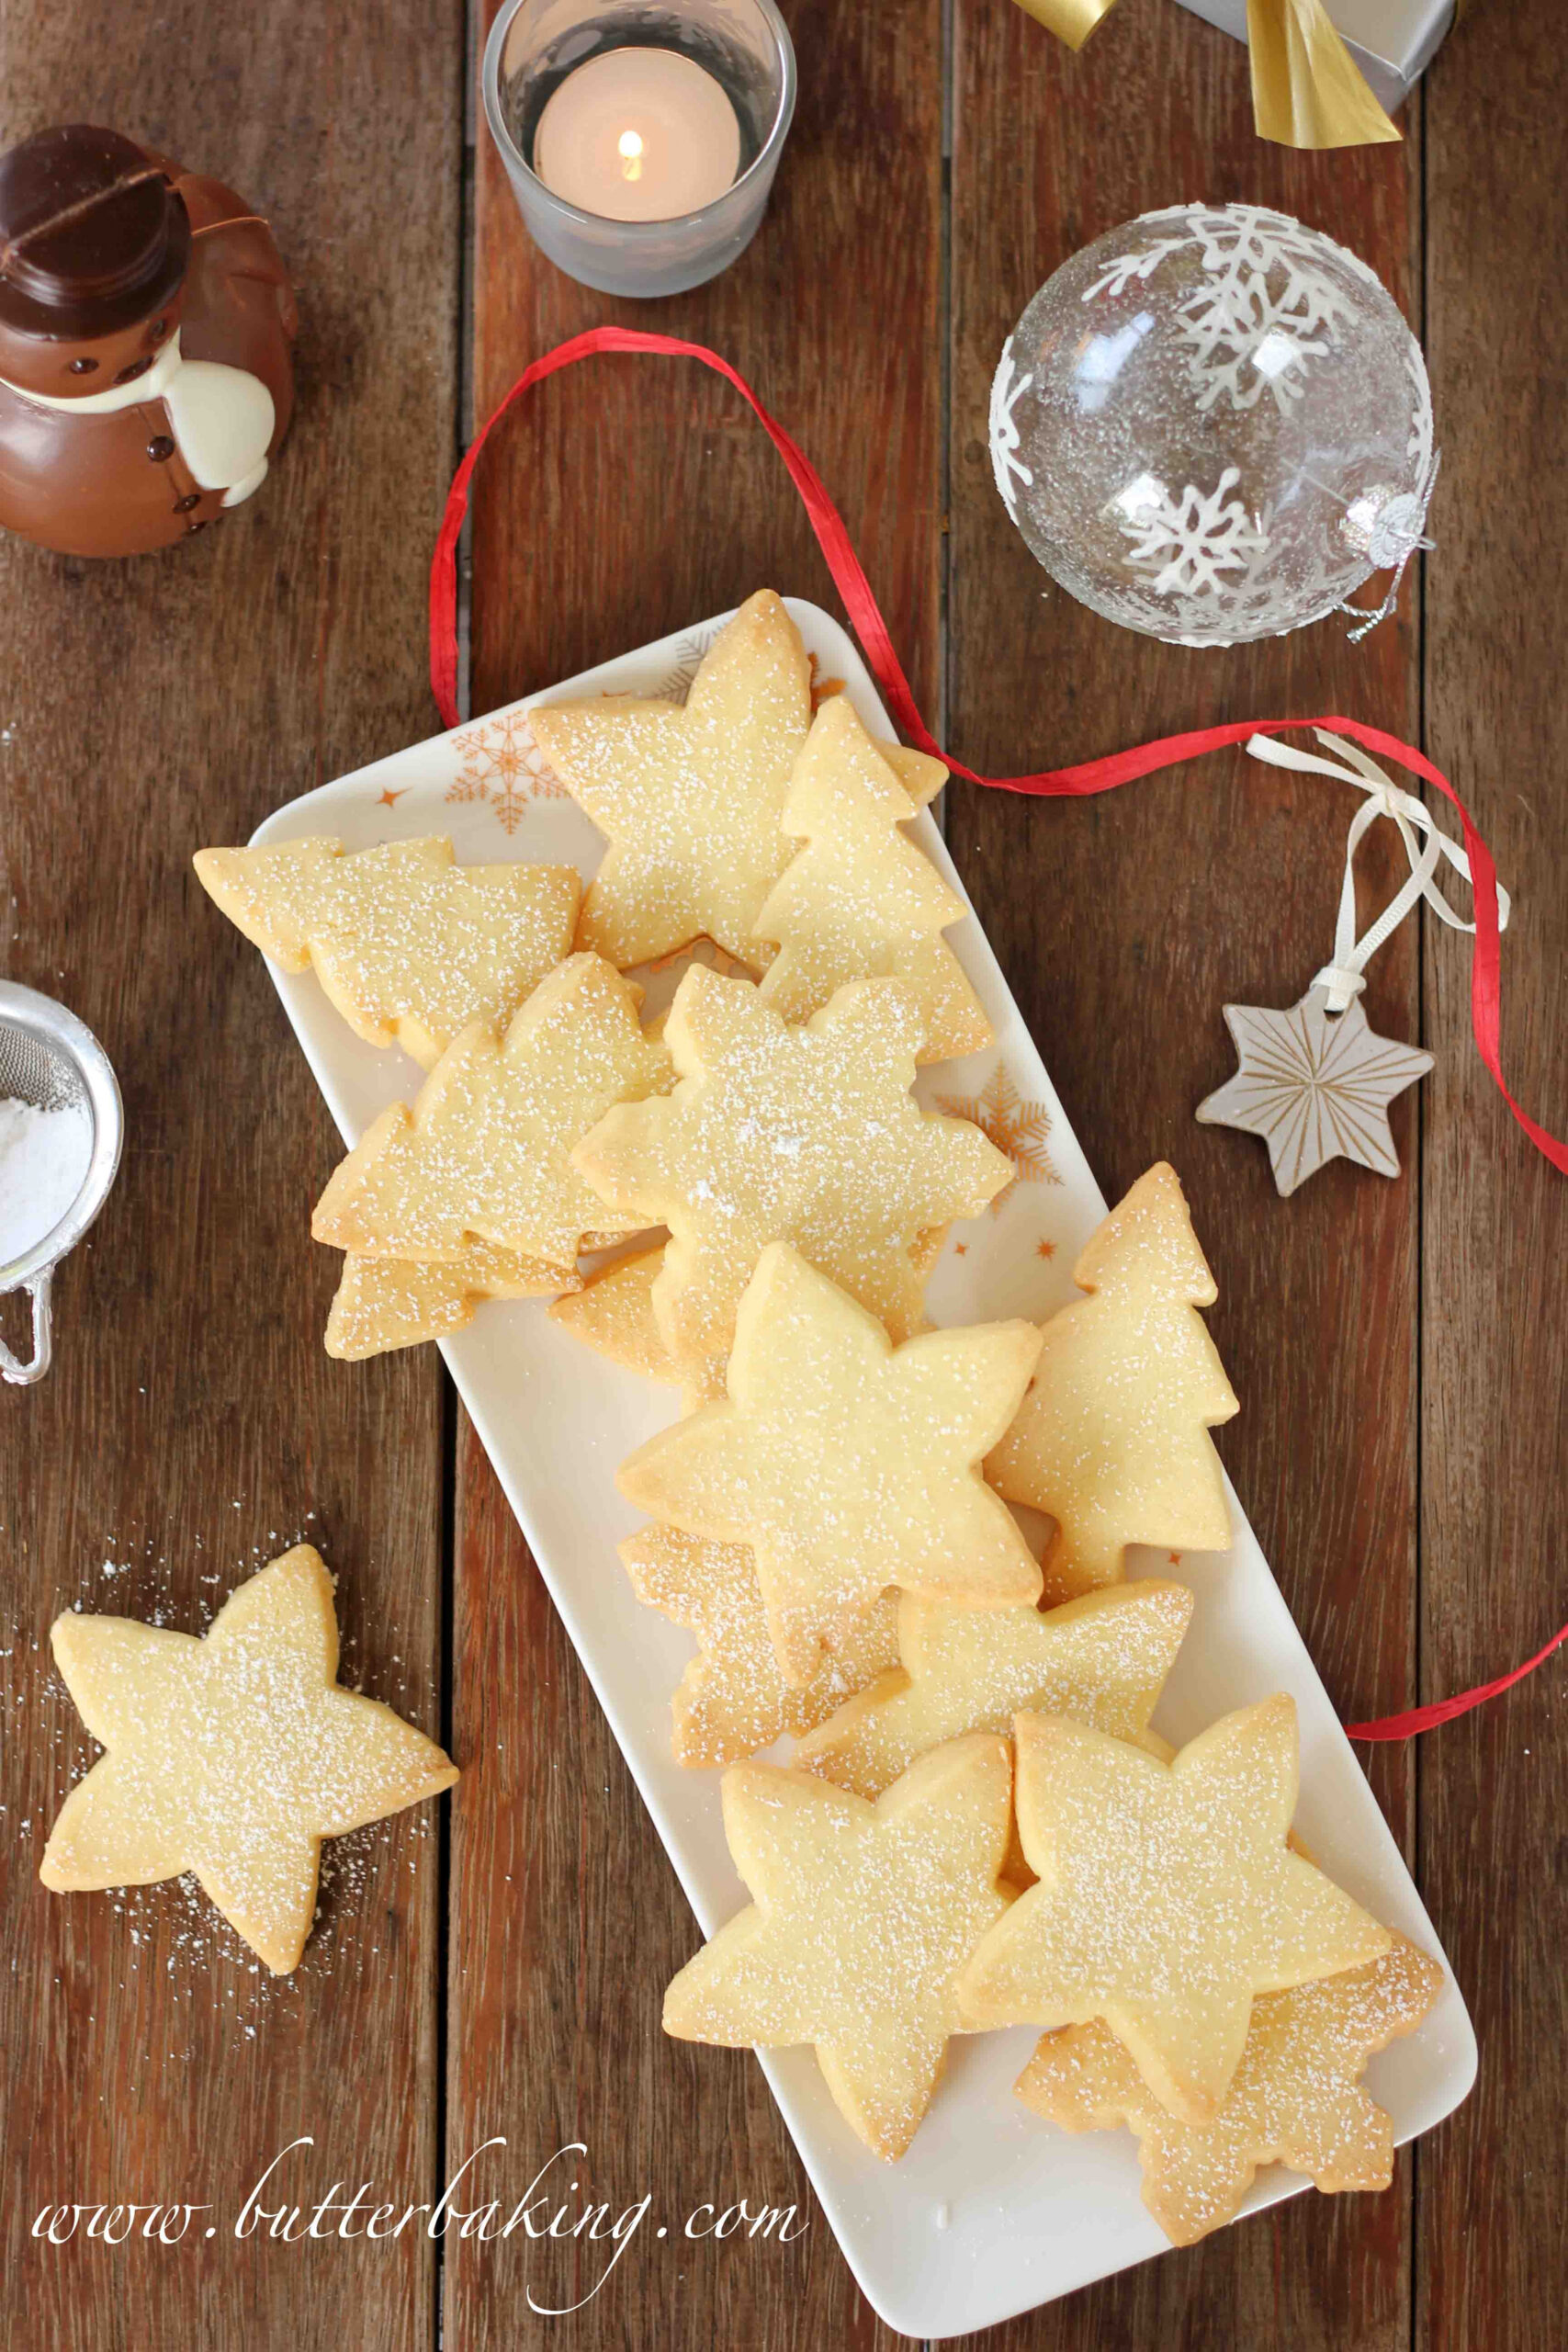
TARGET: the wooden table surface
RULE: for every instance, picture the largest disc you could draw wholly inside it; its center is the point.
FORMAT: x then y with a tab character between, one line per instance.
1401	1348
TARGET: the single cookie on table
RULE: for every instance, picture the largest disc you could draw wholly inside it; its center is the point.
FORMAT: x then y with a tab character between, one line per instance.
859	900
1296	2098
806	1135
862	1917
410	947
485	1154
848	1464
732	1699
1103	1659
1168	1899
231	1754
611	1311
1112	1439
384	1302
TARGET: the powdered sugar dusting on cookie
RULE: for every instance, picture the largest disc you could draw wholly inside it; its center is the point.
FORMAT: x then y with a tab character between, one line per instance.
409	945
865	1917
733	1700
806	1135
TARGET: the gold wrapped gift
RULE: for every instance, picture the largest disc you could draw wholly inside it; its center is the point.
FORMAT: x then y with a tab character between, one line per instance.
1306	91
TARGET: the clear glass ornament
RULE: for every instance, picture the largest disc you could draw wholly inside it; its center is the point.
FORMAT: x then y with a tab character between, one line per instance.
1213	424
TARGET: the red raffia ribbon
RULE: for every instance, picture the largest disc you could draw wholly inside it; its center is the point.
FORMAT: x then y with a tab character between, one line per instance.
1087	777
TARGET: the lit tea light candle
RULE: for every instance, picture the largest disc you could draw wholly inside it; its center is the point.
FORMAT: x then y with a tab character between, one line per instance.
639	134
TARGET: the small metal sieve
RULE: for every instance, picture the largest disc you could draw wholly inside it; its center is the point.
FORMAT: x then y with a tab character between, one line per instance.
52	1060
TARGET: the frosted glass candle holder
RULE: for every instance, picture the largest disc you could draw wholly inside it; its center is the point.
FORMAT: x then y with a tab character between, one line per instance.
535	44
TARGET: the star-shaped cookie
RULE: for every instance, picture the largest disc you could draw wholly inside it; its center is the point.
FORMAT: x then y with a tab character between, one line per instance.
611	1311
772	1134
732	1699
232	1755
847	1464
690	799
859	900
862	1917
1103	1659
1112	1439
484	1153
409	946
384	1302
1168	1899
1294	2100
1315	1085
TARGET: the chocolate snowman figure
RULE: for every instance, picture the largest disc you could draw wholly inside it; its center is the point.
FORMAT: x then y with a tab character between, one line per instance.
145	322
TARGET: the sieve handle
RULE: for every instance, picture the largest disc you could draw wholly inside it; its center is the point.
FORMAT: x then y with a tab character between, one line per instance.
22	1375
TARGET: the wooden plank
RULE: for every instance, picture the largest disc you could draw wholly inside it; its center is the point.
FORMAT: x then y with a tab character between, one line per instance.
193	1420
1124	924
627	498
1493	1787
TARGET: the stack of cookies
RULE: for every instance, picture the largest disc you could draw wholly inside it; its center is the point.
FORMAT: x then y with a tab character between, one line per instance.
977	1825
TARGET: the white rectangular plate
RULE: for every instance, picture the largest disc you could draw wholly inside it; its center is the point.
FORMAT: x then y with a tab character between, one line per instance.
992	2210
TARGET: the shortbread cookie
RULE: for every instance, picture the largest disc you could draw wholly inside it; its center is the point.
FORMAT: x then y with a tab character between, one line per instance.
613	1311
409	946
688	799
485	1152
863	1915
384	1302
1168	1899
859	900
1294	2100
232	1755
809	1135
848	1464
732	1699
1114	1437
1102	1659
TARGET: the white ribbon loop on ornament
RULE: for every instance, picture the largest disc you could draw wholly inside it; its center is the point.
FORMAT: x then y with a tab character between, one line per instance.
1344	977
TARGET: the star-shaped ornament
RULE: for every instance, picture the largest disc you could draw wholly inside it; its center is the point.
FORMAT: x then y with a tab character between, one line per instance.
230	1755
847	1464
1295	2100
1315	1085
863	1917
1168	1899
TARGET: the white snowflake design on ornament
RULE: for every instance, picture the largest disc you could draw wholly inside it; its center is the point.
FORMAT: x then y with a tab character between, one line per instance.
503	765
1185	547
1008	389
1266	311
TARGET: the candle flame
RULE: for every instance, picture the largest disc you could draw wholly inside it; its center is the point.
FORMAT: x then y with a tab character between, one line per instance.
630	145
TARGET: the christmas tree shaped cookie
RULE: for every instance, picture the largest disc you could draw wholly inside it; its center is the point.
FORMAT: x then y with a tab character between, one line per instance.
1168	1899
859	900
848	1464
384	1302
1103	1659
688	799
232	1755
773	1134
1112	1439
485	1152
409	946
732	1699
1294	2100
862	1917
